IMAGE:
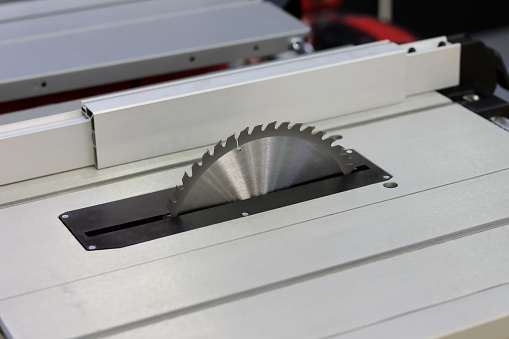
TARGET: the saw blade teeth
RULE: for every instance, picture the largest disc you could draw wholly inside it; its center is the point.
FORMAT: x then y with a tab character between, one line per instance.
195	166
217	147
257	129
185	196
270	127
185	178
317	134
297	126
231	141
285	125
244	133
329	140
309	129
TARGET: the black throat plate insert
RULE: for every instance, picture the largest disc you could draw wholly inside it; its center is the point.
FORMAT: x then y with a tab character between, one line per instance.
142	218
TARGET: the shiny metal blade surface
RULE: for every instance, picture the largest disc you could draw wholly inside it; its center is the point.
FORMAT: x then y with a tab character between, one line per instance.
257	163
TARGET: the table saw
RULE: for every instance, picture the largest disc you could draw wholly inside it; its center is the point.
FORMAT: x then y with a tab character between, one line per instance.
358	192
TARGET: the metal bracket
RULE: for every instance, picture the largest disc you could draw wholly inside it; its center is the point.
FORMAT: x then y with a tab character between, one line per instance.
482	69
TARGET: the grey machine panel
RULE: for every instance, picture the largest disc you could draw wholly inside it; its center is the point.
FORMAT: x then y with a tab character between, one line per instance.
327	267
88	46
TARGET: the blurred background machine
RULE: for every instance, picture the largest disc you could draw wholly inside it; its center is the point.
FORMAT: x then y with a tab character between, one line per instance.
160	176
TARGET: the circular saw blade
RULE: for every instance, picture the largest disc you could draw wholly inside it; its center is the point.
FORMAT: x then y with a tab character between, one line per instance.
257	163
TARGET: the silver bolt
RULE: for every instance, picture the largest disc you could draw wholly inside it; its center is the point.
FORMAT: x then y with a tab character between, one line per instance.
92	247
296	44
471	97
386	177
65	216
349	151
245	214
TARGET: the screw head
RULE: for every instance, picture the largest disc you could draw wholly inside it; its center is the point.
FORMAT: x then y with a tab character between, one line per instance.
296	43
65	216
386	177
92	247
349	151
245	214
471	97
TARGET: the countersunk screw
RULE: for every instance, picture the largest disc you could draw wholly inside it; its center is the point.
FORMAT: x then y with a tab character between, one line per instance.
245	214
65	216
386	177
92	247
